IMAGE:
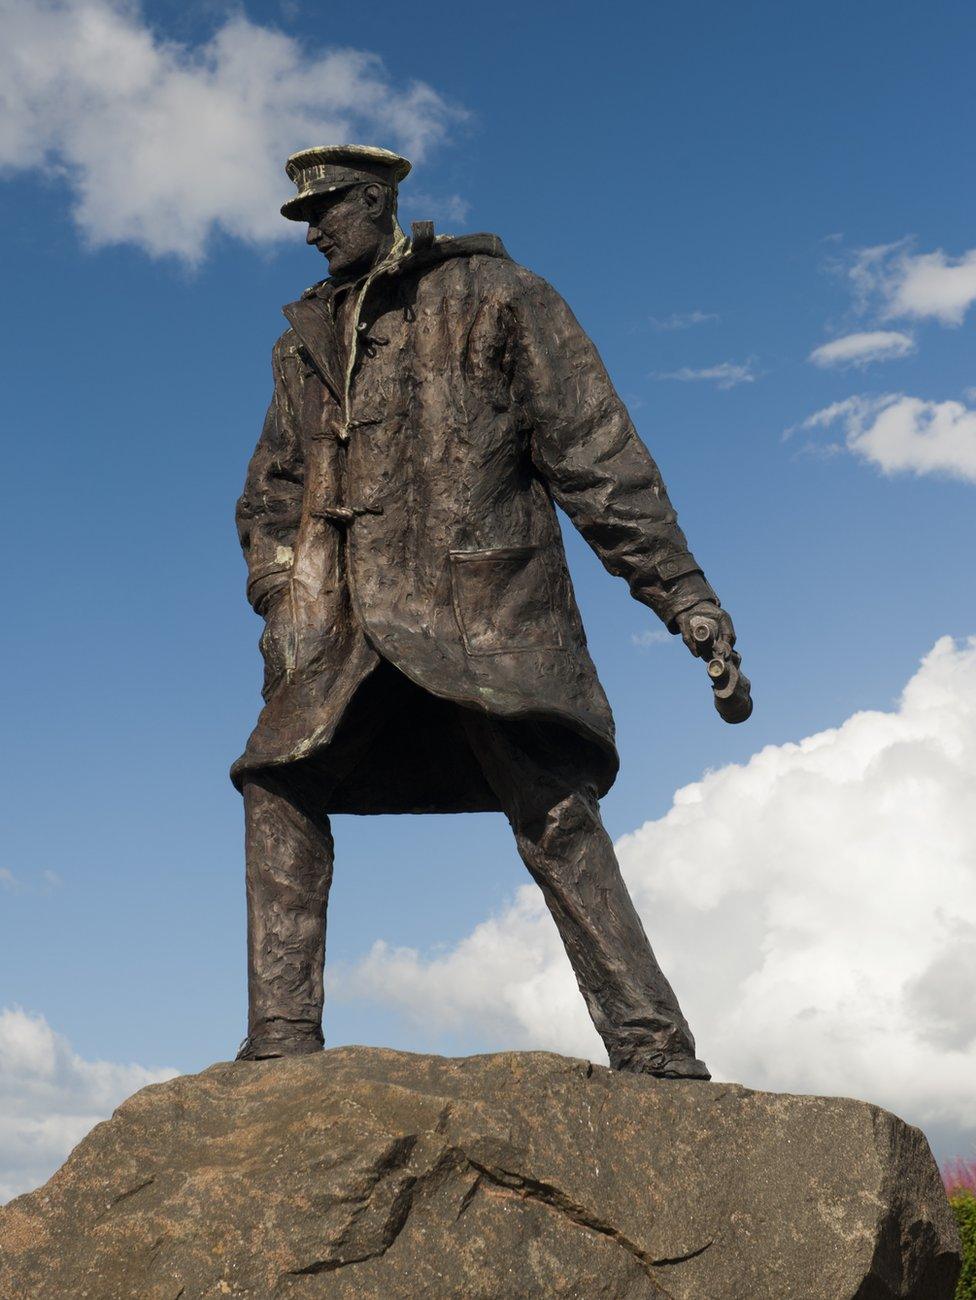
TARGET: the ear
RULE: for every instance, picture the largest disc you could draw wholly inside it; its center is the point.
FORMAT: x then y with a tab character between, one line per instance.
375	200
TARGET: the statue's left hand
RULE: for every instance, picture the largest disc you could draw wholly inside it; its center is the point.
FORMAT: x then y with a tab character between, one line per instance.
704	609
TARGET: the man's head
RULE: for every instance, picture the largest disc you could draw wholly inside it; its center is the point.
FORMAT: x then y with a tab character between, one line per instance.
353	227
347	195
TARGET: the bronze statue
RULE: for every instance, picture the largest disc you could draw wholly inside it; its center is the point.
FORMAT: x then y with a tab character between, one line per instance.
423	650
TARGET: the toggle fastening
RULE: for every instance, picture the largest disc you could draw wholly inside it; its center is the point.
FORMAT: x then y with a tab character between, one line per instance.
344	514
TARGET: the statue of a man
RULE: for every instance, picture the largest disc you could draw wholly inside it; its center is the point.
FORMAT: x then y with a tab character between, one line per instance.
423	649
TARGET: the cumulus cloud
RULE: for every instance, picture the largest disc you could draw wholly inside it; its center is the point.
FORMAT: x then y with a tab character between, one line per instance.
162	144
683	320
901	434
815	908
725	375
903	283
50	1097
862	349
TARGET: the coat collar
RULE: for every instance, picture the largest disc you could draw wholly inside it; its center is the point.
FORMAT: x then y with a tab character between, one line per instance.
311	317
404	257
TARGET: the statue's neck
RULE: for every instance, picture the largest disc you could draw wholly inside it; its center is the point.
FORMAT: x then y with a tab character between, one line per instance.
363	268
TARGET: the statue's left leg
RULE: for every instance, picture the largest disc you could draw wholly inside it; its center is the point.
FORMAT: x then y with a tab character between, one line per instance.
561	838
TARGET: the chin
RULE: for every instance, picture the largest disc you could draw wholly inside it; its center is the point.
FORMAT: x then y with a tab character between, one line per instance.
340	262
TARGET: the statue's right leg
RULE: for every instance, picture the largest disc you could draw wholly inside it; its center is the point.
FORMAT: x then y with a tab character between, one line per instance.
289	854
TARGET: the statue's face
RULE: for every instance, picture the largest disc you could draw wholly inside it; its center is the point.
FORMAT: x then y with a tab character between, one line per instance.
349	228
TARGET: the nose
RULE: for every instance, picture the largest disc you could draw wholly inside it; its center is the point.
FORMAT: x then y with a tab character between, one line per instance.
313	234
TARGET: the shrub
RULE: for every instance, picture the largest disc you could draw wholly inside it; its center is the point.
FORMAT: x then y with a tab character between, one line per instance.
964	1207
959	1177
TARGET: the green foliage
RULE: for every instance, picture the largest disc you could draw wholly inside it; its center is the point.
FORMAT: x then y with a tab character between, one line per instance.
964	1207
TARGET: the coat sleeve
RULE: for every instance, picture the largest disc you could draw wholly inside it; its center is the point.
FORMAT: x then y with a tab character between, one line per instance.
269	509
585	446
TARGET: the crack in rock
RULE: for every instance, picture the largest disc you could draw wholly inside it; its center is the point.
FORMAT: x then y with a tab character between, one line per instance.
468	1196
532	1189
380	1240
397	1215
124	1196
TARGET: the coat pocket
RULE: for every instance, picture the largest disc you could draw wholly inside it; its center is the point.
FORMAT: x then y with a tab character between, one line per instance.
503	600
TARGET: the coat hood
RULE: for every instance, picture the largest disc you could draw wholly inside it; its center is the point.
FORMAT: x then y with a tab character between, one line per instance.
414	256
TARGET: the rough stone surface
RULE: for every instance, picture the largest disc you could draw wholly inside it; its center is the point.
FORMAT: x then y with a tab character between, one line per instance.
369	1173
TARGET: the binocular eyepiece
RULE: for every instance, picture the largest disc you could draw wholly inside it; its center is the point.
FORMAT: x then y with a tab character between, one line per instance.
731	689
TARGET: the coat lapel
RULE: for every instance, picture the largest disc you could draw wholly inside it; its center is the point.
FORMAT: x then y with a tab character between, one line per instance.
311	321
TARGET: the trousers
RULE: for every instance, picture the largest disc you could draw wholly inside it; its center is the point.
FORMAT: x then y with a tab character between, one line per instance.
554	813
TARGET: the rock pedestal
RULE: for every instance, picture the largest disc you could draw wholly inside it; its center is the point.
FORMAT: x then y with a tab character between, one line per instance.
368	1173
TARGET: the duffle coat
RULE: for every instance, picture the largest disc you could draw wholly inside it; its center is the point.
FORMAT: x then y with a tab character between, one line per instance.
400	506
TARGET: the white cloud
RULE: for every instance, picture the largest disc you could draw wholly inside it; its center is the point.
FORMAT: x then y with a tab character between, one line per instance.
863	349
50	1097
45	883
650	636
726	374
162	144
683	320
903	434
815	908
919	285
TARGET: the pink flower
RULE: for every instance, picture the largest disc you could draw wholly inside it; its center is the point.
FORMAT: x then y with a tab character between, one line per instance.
959	1175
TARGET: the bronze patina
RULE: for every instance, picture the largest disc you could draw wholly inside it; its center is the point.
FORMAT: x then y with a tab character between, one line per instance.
433	403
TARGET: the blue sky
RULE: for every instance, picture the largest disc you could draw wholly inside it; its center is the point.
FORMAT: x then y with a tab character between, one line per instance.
701	182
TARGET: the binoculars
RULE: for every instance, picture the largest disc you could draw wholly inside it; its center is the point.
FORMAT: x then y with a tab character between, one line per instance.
730	686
